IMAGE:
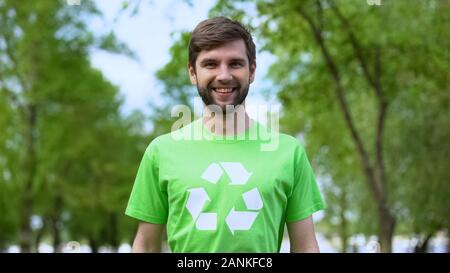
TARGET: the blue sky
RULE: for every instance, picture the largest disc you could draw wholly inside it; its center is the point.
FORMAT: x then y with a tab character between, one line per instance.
148	34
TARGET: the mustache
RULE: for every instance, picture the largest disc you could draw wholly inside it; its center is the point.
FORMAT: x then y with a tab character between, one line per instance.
231	83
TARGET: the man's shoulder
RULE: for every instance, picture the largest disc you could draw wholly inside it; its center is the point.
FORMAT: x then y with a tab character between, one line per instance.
285	140
291	143
289	139
279	142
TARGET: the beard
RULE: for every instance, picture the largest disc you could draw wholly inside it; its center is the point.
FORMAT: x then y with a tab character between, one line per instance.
206	94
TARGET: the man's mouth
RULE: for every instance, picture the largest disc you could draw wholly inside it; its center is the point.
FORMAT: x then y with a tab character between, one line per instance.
223	90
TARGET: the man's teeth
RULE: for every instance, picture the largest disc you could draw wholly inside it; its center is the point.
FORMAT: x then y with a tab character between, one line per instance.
223	90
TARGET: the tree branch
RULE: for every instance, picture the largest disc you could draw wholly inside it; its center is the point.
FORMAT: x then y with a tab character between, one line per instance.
320	15
382	112
375	82
368	170
355	44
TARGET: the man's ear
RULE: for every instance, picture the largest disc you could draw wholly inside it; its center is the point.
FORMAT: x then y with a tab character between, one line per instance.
252	71
192	75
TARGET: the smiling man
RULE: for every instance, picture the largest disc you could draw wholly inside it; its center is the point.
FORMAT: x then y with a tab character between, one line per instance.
224	194
222	73
222	63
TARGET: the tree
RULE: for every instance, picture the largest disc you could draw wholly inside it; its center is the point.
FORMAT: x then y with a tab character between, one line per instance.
53	94
361	54
419	157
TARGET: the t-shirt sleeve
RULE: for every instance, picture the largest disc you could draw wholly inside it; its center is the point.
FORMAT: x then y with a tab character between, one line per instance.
305	198
148	199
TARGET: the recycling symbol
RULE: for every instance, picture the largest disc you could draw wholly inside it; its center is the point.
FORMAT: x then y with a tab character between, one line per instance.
236	220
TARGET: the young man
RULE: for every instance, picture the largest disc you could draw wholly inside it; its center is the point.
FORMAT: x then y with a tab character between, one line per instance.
223	193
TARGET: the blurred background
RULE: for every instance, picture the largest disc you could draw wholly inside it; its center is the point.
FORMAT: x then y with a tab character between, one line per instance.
86	85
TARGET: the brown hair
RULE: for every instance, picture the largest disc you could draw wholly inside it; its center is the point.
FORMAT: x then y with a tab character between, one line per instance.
214	32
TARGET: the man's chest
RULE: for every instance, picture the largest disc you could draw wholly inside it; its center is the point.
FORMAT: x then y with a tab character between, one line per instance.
239	180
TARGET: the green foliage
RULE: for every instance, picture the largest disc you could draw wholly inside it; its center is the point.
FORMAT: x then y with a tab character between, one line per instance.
85	153
178	89
404	44
174	75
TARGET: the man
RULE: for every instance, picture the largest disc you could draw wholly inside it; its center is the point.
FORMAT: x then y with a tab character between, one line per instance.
224	193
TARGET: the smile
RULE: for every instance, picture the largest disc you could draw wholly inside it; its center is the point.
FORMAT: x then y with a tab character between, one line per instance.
223	90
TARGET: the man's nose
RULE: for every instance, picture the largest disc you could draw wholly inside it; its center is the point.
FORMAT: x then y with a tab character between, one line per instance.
224	73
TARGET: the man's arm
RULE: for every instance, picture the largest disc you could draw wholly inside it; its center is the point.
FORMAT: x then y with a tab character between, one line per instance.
302	236
148	238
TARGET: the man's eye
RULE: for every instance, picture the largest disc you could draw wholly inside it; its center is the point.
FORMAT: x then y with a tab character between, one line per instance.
210	65
236	65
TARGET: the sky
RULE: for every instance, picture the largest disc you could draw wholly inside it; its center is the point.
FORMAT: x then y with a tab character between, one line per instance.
148	34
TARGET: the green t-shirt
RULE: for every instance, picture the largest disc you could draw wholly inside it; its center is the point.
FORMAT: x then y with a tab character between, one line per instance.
224	194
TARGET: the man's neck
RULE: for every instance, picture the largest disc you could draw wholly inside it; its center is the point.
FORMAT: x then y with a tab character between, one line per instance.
232	123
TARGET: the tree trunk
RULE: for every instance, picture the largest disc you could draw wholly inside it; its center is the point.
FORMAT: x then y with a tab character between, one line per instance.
56	234
386	231
375	174
114	238
93	244
422	246
30	169
448	241
343	229
56	224
25	228
40	234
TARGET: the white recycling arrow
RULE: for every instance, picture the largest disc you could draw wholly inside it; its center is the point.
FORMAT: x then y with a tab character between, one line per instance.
237	173
207	221
196	201
252	199
236	220
212	173
240	220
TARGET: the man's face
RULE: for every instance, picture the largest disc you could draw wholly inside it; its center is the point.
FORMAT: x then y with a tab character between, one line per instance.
223	74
